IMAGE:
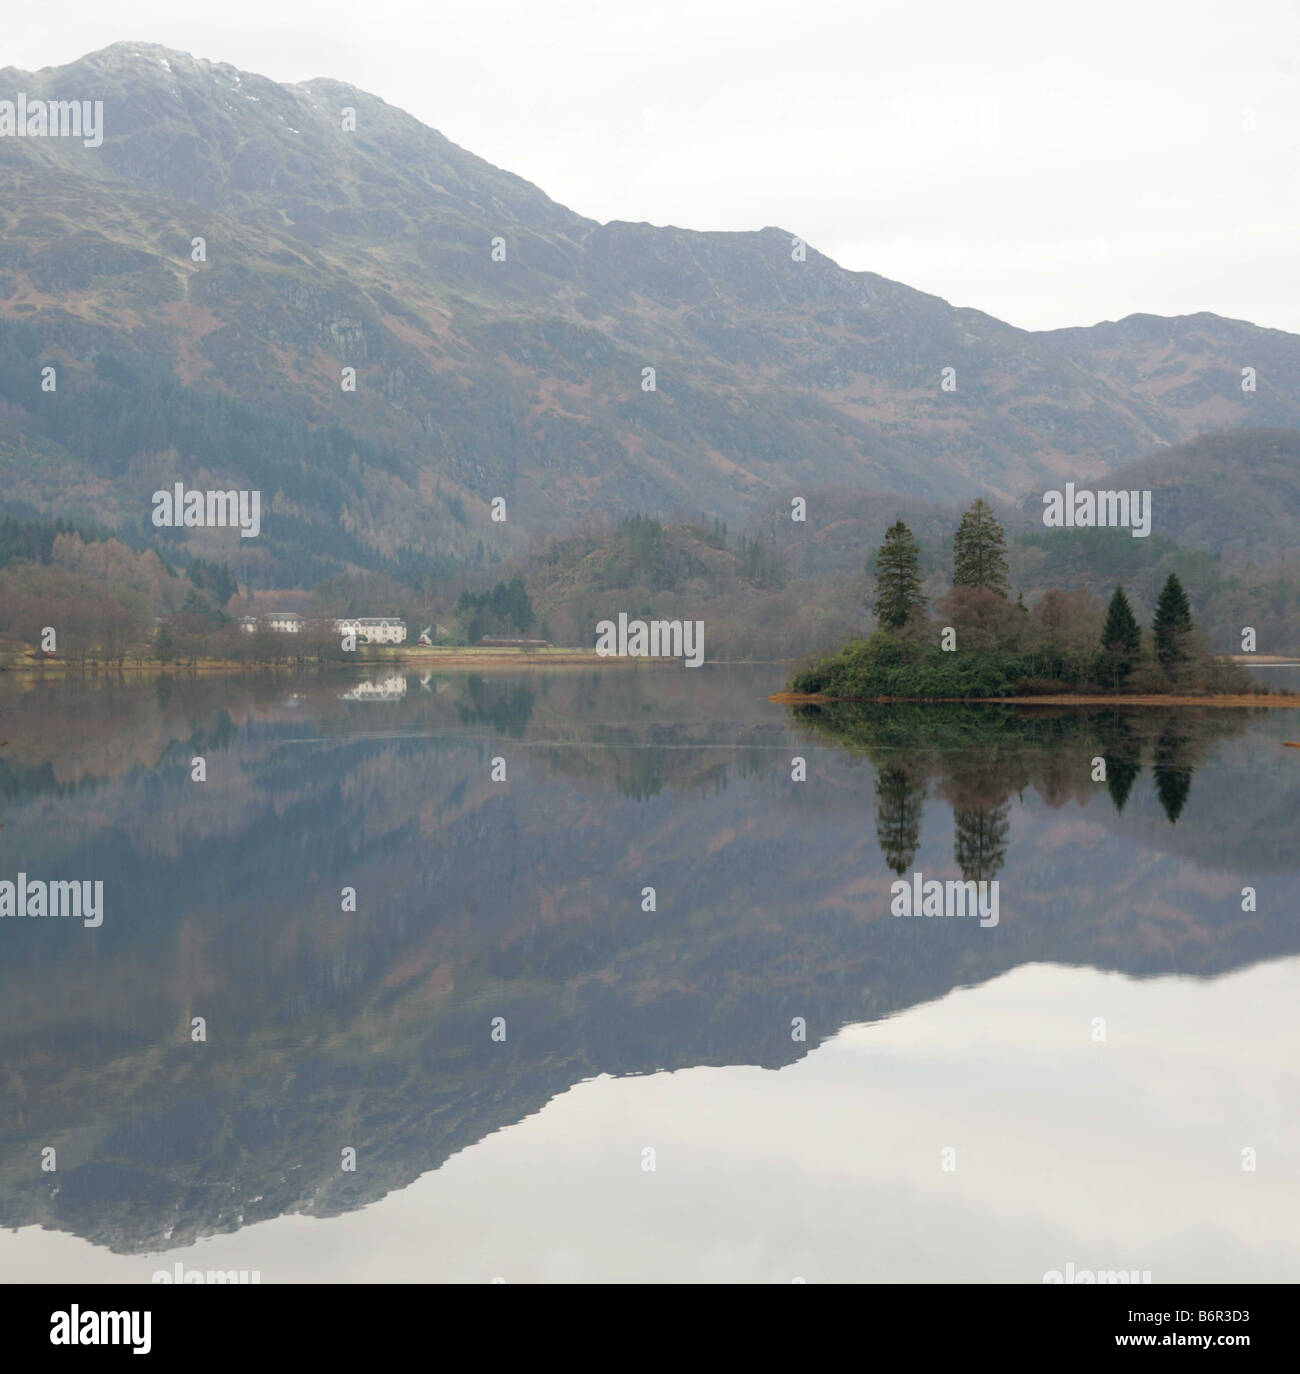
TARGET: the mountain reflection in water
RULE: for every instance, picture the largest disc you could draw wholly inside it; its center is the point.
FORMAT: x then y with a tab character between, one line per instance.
523	900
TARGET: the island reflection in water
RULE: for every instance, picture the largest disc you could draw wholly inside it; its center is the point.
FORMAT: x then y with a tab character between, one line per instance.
521	902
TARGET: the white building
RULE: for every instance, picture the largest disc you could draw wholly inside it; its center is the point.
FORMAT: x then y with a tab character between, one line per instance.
373	629
248	623
285	622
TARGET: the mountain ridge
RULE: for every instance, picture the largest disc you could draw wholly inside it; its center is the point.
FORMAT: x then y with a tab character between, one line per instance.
521	378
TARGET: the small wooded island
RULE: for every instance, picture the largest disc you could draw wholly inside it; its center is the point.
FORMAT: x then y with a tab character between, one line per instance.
982	645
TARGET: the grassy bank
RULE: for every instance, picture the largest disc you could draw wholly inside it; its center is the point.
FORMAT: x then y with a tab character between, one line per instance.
1290	701
396	657
889	667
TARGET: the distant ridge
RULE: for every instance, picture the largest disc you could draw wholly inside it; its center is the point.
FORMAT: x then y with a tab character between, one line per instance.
519	378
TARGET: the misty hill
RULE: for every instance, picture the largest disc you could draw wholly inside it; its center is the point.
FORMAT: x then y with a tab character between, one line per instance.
478	378
1226	510
1235	493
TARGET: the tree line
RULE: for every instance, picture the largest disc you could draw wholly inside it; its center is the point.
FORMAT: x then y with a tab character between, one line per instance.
985	644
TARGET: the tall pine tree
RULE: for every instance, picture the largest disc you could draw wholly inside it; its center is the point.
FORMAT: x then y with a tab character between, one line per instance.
1121	640
900	800
981	841
1173	774
898	577
1172	627
979	553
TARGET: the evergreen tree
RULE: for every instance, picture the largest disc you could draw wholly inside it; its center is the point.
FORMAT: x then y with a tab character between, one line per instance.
898	577
505	610
196	604
1123	755
520	606
979	553
981	842
215	578
1121	640
899	803
1121	773
1173	774
1172	627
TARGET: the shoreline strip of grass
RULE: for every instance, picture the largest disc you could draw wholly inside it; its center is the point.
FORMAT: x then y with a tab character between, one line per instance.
1285	701
451	657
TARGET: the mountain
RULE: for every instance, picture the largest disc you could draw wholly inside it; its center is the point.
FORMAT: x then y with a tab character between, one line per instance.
1236	493
327	248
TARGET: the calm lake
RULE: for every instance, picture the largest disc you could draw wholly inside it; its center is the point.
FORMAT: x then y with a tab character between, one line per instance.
766	1077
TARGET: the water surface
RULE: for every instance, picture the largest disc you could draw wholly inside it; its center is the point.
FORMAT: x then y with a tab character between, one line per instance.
806	1069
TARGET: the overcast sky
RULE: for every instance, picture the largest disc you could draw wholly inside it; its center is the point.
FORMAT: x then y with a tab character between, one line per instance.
1052	166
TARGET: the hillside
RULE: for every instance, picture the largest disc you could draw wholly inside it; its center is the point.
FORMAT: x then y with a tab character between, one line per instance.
1236	494
478	378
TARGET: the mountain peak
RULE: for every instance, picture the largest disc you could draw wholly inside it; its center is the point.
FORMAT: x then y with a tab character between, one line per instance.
506	346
